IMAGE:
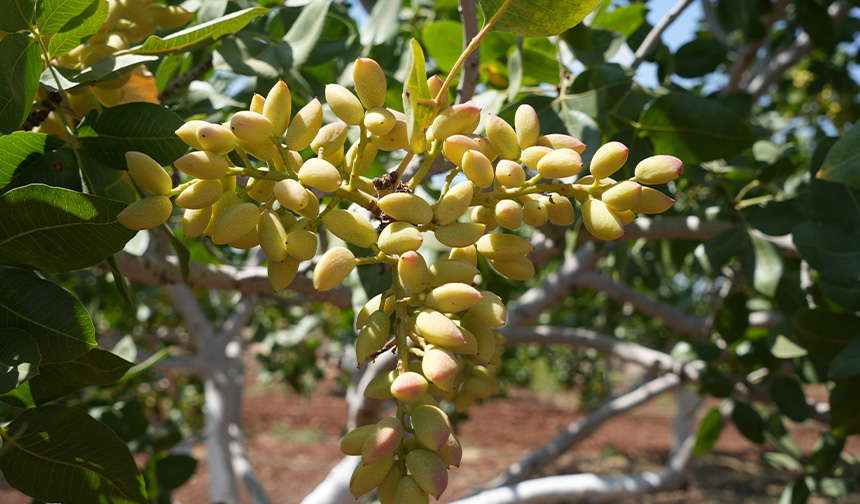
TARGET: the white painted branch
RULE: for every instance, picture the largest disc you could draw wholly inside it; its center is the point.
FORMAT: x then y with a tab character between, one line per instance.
653	37
335	487
583	428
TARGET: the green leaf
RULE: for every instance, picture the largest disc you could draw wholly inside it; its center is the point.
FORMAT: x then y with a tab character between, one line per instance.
844	407
699	57
748	421
21	148
842	164
182	253
142	127
173	471
763	265
847	362
444	43
70	22
86	461
108	183
304	34
19	358
383	23
836	205
59	230
57	168
51	315
21	63
781	461
825	333
825	453
17	15
537	18
199	35
828	247
121	283
842	289
126	418
108	69
815	20
778	437
714	253
695	129
417	102
56	379
624	20
836	488
797	492
788	395
709	431
783	344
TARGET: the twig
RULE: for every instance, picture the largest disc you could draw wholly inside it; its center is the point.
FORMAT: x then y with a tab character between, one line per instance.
471	67
748	53
713	22
187	78
653	37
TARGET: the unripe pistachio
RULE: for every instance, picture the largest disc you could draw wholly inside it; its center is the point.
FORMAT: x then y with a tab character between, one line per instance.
658	170
521	268
194	221
258	103
170	17
261	190
137	11
409	387
453	297
428	470
410	492
452	205
114	14
225	202
452	270
535	213
406	207
148	173
468	254
396	139
251	126
478	168
502	137
503	247
353	441
312	210
383	441
622	196
509	214
459	234
388	488
485	216
455	146
477	387
320	174
302	244
263	150
334	266
470	347
188	133
608	159
288	219
510	173
527	126
201	194
452	452
399	237
432	426
486	341
438	329
367	477
652	201
435	84
216	138
413	272
486	149
374	304
559	141
272	236
278	107
602	222
454	120
559	208
560	163
202	165
247	241
440	366
344	104
305	125
380	387
334	157
369	82
291	194
350	227
81	104
627	217
532	156
379	121
146	213
235	222
364	162
228	183
373	335
330	138
490	310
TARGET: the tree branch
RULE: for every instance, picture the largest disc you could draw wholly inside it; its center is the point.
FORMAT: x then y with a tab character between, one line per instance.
471	67
713	22
653	37
748	54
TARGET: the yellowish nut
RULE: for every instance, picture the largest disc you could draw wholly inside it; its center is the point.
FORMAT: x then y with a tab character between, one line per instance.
251	126
334	266
291	194
216	138
559	163
373	336
409	387
202	165
359	163
278	107
201	194
453	297
503	247
535	213
146	213
344	104
236	222
520	269
350	227
194	221
407	207
527	126
622	196
367	477
468	254
485	216
652	201
438	329
502	137
459	234
510	173
399	237
258	103
559	141
395	139
658	170
435	84
608	159
305	125
225	202
478	168
369	82
379	121
384	302
454	120
454	203
559	208
188	133
302	243
320	174
272	236
413	272
490	310
452	270
455	146
148	173
509	214
531	156
282	274
602	222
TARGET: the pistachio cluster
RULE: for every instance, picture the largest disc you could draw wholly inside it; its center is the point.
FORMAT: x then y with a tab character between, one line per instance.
441	325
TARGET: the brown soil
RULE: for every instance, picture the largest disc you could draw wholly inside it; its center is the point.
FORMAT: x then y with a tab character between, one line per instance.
293	444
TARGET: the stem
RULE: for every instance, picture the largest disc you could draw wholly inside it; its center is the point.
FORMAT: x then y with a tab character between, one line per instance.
400	324
358	156
653	37
432	154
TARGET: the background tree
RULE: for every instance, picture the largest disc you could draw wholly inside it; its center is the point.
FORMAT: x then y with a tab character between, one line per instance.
746	290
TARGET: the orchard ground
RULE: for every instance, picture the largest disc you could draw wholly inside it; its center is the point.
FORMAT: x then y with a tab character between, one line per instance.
293	443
